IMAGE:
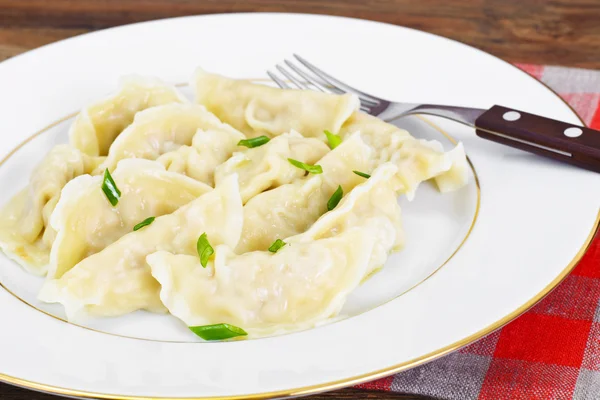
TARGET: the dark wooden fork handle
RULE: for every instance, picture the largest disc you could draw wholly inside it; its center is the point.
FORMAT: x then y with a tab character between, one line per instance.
547	137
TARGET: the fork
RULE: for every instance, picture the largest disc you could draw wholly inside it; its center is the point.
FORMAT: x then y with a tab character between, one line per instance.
576	145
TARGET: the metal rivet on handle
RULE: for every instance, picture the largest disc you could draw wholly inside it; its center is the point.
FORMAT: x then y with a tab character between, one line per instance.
511	116
573	132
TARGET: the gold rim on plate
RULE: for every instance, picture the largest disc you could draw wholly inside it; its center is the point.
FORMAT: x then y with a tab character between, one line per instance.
304	391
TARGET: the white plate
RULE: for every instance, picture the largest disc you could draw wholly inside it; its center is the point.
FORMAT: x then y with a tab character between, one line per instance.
474	260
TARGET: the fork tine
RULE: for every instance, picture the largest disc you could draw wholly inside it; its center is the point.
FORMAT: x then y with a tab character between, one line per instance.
284	85
278	81
295	81
365	103
335	82
306	76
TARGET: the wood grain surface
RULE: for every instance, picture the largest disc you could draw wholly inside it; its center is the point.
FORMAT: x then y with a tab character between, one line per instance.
560	32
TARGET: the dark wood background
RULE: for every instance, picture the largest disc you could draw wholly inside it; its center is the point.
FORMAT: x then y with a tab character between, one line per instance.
560	32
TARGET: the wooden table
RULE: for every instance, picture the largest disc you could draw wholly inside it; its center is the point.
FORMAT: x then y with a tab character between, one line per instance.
560	32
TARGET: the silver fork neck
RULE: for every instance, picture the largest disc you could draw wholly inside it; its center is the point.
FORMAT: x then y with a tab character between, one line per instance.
464	115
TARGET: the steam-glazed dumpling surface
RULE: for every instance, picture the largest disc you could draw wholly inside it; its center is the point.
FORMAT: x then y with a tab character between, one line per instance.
238	207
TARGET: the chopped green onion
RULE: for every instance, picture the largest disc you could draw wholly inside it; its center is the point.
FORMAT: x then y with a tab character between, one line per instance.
254	142
145	222
278	244
218	331
333	139
335	198
362	174
110	189
313	169
205	250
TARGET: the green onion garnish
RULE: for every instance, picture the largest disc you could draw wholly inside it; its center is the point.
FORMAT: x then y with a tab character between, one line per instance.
335	198
278	244
218	331
254	142
205	250
145	222
333	139
110	189
362	174
313	169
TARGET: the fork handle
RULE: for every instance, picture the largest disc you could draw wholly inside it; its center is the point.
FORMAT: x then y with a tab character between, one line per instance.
576	145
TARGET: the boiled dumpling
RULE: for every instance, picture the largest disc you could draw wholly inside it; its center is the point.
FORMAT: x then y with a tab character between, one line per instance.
458	175
305	283
97	126
262	110
165	155
86	222
418	160
209	149
24	232
117	280
385	139
292	208
267	166
162	129
375	198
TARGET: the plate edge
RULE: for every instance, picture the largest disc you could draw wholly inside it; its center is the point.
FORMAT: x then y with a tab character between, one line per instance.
323	387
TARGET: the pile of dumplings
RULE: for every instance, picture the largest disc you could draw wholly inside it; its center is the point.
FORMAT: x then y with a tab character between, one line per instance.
180	165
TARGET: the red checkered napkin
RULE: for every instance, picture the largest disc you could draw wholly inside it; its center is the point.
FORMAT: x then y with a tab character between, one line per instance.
553	350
